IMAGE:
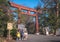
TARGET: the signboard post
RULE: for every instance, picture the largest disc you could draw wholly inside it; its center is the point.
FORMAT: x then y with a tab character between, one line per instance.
9	27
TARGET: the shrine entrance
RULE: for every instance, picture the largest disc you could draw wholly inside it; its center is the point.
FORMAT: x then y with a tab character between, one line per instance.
29	23
28	12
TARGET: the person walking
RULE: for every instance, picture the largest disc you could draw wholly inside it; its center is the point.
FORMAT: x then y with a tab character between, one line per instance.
22	34
25	34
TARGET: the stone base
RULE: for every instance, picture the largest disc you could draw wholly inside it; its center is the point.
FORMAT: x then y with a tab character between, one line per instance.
37	33
47	33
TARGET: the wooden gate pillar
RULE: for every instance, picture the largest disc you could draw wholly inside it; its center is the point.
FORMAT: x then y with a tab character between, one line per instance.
37	26
28	12
19	16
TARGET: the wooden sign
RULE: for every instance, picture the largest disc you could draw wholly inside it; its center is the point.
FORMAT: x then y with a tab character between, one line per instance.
9	26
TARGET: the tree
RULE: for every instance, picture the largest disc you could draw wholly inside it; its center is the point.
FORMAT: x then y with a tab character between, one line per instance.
5	16
52	7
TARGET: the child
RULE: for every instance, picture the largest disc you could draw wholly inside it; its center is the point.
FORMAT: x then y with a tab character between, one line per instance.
18	35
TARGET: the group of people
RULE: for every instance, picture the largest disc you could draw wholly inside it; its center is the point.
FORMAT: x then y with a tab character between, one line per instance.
22	34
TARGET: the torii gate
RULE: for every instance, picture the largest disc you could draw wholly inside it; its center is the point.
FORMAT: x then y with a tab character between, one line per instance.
19	7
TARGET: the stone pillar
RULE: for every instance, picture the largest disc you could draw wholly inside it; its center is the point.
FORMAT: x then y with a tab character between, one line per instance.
47	30
47	33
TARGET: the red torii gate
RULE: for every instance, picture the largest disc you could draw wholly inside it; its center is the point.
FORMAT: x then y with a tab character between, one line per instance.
27	13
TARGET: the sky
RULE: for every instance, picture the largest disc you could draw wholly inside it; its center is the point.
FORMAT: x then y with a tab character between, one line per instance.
27	3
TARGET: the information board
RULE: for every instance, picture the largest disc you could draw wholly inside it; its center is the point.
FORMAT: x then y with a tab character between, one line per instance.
9	26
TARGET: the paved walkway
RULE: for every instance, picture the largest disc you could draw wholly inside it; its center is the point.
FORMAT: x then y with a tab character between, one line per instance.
41	38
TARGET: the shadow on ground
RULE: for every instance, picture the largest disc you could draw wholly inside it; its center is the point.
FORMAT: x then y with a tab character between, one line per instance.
54	40
57	35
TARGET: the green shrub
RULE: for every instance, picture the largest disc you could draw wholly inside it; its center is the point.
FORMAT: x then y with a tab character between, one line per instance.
13	33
